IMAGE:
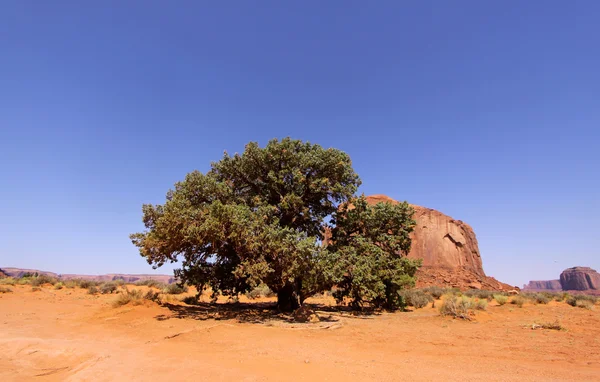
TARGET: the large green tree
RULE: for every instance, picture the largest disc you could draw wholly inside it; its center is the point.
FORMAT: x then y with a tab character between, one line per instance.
259	217
255	217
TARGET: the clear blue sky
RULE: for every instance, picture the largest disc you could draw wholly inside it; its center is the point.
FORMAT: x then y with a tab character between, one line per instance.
487	111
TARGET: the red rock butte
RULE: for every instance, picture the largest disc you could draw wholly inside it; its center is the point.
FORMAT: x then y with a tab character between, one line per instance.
576	279
448	248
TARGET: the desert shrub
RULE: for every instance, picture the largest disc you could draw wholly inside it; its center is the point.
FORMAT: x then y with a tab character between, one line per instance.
24	281
36	289
541	298
151	284
43	279
415	297
58	286
586	304
587	301
481	294
5	290
152	296
518	301
435	291
92	290
550	295
480	304
457	307
119	282
260	291
70	284
175	289
108	287
86	284
561	296
127	296
587	297
500	299
8	281
454	291
536	298
548	325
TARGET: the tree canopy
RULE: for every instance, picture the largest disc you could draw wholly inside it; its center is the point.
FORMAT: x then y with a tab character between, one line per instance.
259	217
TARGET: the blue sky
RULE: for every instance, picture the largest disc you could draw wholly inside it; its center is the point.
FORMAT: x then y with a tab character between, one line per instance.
486	111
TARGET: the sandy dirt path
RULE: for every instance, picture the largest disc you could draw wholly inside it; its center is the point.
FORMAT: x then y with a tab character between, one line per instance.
68	335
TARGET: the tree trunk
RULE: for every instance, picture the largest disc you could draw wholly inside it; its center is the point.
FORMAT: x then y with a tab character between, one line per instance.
288	299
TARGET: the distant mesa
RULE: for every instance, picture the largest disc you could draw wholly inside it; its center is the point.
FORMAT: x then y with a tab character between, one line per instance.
128	278
578	279
544	285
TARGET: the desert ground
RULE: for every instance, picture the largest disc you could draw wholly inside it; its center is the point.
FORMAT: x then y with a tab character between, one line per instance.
70	335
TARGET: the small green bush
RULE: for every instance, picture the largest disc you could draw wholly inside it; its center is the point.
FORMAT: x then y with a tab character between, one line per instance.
36	289
518	301
24	281
415	298
175	289
435	291
152	296
108	287
586	301
92	290
86	284
541	298
151	284
260	291
58	286
585	304
501	299
457	307
481	294
480	304
587	297
43	279
8	281
454	291
127	296
561	296
5	290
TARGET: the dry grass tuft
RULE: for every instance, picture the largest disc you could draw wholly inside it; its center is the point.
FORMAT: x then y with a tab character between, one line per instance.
134	297
518	301
547	325
501	299
457	307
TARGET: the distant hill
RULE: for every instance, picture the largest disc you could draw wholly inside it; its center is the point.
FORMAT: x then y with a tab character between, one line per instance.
128	278
576	279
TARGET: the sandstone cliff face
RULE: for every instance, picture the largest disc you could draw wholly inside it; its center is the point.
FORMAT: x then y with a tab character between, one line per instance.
449	251
580	278
544	285
441	241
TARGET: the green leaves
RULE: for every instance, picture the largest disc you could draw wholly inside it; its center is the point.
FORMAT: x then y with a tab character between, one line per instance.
371	243
259	217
